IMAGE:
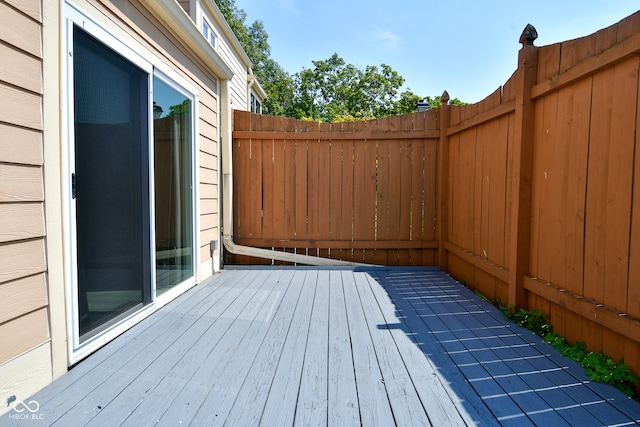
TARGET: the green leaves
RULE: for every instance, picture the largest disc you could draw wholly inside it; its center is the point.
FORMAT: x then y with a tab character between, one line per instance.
333	90
436	102
534	320
598	366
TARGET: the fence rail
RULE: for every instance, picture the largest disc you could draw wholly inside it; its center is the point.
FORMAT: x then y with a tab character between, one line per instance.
529	195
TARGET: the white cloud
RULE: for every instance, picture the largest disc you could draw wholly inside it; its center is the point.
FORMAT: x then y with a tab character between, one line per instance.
388	39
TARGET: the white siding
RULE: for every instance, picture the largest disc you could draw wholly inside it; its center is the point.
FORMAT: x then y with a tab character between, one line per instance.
238	87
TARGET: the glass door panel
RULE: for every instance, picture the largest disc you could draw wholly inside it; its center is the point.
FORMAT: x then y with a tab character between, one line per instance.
110	185
172	137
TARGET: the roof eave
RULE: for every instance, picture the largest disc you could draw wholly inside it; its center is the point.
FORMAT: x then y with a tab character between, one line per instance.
216	13
180	24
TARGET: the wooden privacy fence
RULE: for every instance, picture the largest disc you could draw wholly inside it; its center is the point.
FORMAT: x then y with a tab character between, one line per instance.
528	195
540	208
361	191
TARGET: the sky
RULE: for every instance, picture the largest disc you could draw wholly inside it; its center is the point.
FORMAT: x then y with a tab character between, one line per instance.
468	48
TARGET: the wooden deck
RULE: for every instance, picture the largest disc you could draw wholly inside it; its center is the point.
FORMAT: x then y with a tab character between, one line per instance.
328	347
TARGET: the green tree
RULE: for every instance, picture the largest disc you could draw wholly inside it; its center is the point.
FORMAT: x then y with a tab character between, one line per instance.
436	102
407	102
182	108
278	85
255	41
235	17
330	90
333	89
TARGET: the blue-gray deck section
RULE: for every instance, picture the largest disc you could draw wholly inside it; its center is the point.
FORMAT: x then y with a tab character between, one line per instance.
329	347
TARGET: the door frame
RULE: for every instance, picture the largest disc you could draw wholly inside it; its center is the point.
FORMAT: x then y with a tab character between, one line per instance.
77	350
72	16
189	91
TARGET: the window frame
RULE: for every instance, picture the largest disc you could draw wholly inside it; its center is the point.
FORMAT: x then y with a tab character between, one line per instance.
211	32
255	103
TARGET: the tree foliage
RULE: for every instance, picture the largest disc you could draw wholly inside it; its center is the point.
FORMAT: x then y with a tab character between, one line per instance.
254	40
436	102
332	90
178	109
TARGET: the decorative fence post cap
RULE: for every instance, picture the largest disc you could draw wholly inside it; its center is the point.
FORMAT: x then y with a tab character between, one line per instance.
445	97
528	35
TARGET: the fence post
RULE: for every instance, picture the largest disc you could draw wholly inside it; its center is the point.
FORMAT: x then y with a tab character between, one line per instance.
442	224
521	184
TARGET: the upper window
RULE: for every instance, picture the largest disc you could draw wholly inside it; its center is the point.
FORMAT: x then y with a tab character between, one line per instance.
255	106
208	33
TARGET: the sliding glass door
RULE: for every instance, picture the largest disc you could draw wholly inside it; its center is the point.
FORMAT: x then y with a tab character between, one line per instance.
110	185
173	175
132	184
116	217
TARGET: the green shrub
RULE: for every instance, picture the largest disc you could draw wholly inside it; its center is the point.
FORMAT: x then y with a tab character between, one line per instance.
598	366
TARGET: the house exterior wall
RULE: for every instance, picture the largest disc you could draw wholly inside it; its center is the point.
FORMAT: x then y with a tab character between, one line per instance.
238	84
24	328
229	48
34	260
186	5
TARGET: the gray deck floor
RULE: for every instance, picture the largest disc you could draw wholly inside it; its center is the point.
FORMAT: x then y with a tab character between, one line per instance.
329	347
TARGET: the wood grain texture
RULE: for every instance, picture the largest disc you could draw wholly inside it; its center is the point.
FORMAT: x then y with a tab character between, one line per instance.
20	70
28	7
20	108
21	259
20	146
604	316
23	296
20	221
328	184
540	181
23	333
388	347
20	30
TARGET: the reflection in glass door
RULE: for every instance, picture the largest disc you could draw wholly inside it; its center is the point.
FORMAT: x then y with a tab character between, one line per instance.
173	175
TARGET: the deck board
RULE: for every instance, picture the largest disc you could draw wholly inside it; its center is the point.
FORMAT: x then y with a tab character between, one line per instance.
323	346
312	408
155	401
405	402
281	401
213	372
429	388
142	373
342	395
372	394
104	364
436	341
249	403
223	388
